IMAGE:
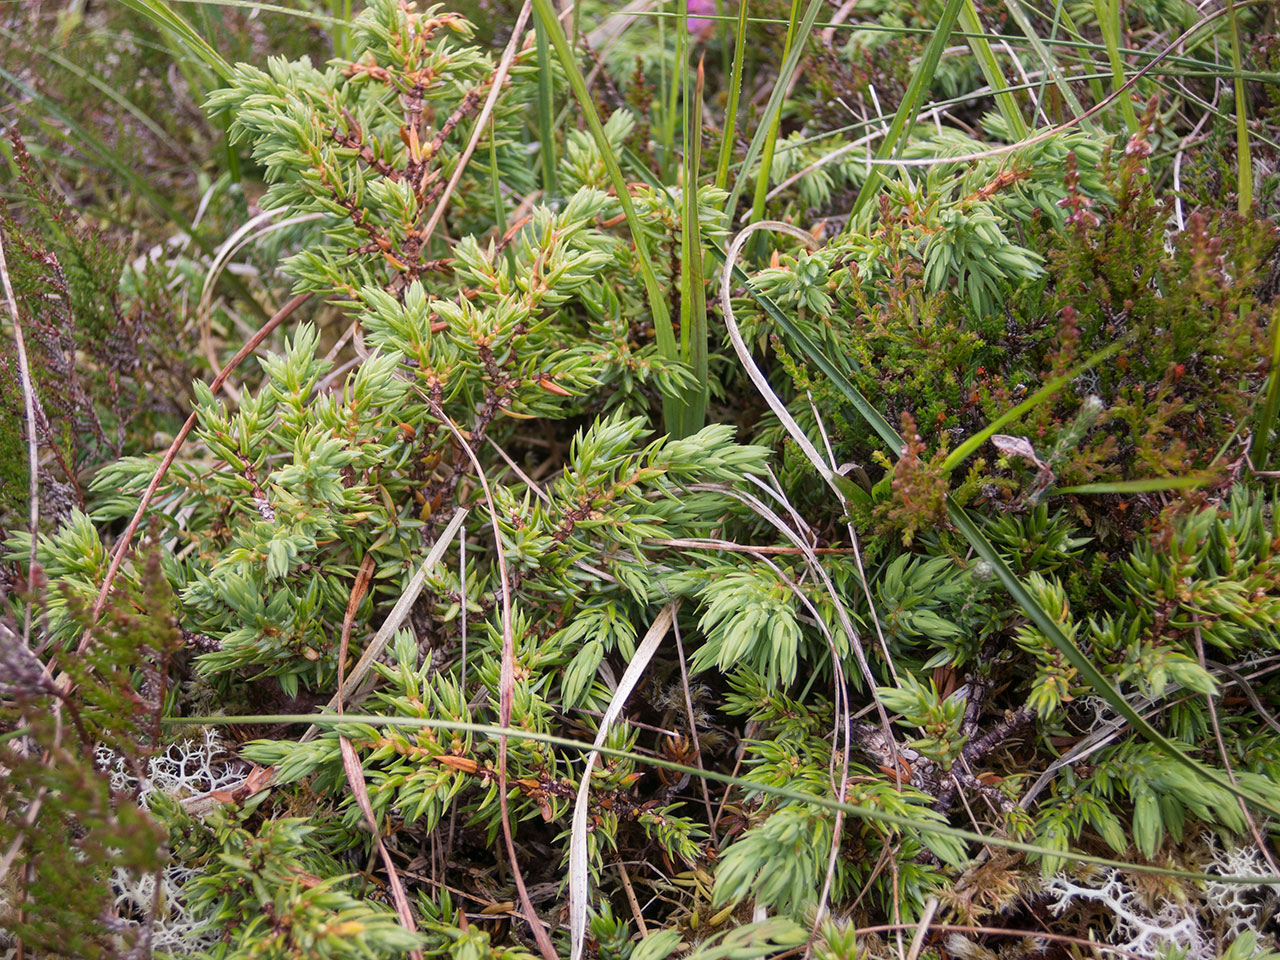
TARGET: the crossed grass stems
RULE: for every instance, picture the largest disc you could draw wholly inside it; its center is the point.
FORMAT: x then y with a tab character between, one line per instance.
684	412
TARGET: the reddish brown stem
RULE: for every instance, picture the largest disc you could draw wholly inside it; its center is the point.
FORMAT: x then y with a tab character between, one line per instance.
122	547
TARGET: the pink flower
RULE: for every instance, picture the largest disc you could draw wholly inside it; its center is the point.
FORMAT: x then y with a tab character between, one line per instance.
697	24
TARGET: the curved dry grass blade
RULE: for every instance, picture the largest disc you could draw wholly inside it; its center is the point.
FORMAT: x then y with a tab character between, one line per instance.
360	790
754	374
33	443
578	867
506	689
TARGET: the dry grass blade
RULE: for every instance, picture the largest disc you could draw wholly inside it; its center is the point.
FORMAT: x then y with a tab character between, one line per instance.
360	790
495	90
33	449
399	613
358	590
578	867
740	347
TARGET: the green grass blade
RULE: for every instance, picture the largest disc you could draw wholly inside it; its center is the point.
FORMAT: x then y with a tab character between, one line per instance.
175	26
664	331
356	726
1108	13
1051	66
909	108
1244	160
693	289
1269	420
958	455
774	106
1084	666
991	72
1143	485
774	121
735	92
546	115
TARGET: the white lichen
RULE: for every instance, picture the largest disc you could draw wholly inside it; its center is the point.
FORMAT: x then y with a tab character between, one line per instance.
1218	914
1237	907
1147	930
185	769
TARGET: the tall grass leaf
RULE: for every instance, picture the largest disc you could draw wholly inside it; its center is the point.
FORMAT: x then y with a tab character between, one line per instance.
1269	421
359	725
909	108
174	25
1108	13
735	91
990	67
1244	160
773	121
693	290
672	406
546	116
1052	68
774	106
1141	485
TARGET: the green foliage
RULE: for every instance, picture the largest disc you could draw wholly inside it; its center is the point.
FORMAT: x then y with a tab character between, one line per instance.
274	891
1073	335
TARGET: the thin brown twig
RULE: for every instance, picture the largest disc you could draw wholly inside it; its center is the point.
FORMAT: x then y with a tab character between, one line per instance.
506	690
126	538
